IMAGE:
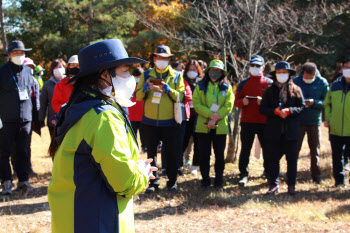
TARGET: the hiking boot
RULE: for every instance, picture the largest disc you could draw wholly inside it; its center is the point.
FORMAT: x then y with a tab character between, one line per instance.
24	187
243	181
193	170
6	187
151	189
180	172
291	190
273	189
340	184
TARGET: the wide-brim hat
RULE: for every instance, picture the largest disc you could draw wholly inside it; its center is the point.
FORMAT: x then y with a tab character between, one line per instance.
283	65
163	51
16	45
103	55
216	63
28	61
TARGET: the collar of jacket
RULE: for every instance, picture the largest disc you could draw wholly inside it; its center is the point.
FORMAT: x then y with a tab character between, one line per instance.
170	73
222	87
15	68
256	78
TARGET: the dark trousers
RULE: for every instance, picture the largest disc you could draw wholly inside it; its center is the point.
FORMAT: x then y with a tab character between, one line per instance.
179	161
190	127
337	144
18	133
276	150
169	136
137	126
219	144
313	139
248	132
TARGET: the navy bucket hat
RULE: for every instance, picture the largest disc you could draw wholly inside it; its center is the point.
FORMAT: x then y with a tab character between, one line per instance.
103	55
283	65
16	45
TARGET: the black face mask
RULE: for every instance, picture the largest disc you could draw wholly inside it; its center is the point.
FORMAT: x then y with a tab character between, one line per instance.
73	71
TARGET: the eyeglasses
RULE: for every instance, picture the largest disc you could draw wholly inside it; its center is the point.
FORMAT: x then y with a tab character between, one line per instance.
255	65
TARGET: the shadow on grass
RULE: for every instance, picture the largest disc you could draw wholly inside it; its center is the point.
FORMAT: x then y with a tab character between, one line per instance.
191	197
345	209
23	209
16	195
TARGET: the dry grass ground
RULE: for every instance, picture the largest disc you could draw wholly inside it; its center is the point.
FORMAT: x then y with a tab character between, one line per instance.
316	208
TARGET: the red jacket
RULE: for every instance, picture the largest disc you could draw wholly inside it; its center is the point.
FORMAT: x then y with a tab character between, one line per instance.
253	86
136	111
188	98
61	94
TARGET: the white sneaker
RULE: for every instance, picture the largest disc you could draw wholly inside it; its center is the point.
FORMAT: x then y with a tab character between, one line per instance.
193	170
6	187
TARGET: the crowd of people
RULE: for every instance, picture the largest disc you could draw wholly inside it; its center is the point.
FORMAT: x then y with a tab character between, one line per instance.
279	108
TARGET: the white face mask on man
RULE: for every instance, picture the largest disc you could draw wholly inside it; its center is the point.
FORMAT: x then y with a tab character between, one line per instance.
18	60
161	65
282	78
255	71
59	73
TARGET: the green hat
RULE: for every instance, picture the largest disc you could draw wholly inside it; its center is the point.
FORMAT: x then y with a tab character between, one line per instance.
38	69
216	64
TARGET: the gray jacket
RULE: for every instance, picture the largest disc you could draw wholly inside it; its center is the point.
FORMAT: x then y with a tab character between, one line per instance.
45	100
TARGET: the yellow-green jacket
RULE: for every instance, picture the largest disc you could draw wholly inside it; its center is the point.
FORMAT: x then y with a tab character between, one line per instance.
162	114
204	97
94	175
337	108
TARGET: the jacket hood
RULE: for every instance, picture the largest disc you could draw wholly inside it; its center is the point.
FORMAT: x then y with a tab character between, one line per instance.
81	104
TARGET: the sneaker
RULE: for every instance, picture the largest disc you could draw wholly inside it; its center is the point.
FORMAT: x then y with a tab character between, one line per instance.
193	170
273	189
243	182
173	189
6	187
151	189
24	187
164	173
291	190
188	163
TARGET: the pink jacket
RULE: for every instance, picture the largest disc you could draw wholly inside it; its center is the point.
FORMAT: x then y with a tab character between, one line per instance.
188	98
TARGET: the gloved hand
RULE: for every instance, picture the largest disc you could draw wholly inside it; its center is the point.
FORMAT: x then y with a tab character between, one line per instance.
145	87
277	111
166	88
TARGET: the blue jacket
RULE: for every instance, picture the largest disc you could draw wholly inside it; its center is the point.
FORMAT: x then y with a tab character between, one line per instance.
317	91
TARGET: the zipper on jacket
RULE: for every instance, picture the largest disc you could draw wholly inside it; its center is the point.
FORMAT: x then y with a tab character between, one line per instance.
342	125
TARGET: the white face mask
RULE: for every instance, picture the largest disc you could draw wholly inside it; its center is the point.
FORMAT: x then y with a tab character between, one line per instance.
192	74
309	81
161	65
346	73
18	60
137	80
107	91
282	78
255	71
59	73
124	89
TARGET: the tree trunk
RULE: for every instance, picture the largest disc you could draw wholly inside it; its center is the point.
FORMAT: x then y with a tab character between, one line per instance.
91	16
231	155
3	32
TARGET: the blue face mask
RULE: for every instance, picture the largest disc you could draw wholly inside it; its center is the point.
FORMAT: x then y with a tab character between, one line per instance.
214	74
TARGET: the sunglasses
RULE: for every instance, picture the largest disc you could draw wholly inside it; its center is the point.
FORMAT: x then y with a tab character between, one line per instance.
255	65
